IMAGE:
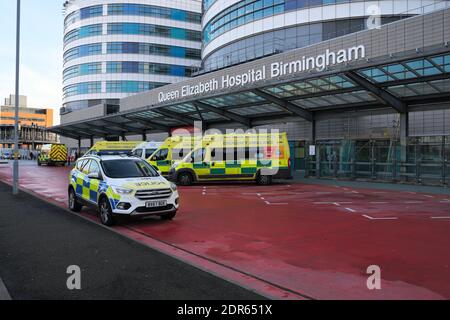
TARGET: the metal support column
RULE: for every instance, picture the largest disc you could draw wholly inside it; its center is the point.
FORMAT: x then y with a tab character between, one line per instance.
16	118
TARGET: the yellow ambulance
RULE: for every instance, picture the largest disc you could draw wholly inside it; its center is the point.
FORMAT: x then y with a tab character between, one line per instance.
53	155
113	148
241	157
173	150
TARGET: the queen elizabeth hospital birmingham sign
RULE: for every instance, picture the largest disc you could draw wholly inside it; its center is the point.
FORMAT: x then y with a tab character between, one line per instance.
277	69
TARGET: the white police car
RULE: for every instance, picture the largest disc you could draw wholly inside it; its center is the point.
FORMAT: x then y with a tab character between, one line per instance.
121	186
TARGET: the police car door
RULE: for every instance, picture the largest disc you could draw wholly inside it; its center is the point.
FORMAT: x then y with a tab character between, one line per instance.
94	177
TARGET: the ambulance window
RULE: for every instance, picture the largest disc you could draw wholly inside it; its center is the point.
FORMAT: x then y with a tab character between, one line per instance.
94	167
161	155
138	153
149	152
218	154
198	156
180	154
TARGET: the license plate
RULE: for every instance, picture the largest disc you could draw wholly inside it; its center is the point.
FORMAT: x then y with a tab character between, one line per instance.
156	204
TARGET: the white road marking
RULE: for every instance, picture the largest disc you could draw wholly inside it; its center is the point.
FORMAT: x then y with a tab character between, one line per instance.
378	202
276	204
413	202
350	209
372	218
440	217
428	196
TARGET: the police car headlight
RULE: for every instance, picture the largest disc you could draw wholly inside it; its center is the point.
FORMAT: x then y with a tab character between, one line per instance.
123	191
173	186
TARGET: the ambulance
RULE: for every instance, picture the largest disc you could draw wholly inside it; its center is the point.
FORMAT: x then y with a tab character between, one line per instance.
235	157
113	148
146	149
52	155
173	150
121	186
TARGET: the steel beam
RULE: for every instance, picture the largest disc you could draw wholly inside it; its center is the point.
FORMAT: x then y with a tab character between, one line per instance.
224	113
382	95
181	118
150	123
286	105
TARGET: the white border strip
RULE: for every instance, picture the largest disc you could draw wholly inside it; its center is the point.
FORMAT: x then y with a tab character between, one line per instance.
4	294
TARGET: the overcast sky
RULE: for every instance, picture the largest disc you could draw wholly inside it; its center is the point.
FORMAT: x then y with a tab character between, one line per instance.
41	51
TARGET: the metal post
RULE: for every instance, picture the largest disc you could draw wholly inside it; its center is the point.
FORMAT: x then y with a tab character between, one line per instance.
16	120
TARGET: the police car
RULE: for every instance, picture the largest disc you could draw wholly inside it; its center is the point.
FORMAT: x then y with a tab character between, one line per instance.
121	186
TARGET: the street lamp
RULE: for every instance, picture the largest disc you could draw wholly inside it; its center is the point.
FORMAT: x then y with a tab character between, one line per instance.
16	120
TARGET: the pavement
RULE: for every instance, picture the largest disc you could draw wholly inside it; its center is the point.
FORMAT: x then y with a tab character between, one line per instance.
39	241
307	240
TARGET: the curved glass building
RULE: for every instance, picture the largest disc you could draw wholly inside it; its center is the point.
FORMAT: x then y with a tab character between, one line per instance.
236	31
114	48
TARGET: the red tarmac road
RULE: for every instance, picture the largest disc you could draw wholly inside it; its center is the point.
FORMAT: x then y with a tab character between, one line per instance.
296	241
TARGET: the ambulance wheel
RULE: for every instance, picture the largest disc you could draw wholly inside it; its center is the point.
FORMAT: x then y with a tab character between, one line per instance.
264	180
169	216
185	179
74	205
105	211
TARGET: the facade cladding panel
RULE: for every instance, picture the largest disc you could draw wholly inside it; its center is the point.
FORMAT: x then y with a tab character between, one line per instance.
241	30
113	48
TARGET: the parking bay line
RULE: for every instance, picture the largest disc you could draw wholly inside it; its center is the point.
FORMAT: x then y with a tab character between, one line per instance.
276	204
372	218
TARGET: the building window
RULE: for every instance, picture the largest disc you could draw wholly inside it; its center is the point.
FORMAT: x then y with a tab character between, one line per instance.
153	30
83	32
83	88
131	86
85	13
82	70
83	51
153	11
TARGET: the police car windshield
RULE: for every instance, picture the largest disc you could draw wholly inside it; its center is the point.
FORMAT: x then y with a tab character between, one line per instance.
128	168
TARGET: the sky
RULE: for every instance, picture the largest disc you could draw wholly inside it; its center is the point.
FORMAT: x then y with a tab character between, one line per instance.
41	52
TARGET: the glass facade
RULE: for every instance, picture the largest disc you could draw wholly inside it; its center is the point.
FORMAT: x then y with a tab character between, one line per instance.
82	70
153	11
83	32
131	86
83	88
130	9
83	51
282	40
84	13
148	68
127	47
153	49
153	30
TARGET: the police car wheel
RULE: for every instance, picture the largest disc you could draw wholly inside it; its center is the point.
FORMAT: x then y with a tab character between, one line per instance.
74	205
106	216
264	180
185	179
